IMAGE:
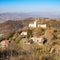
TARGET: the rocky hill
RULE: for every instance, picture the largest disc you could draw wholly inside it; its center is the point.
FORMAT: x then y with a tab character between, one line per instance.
14	25
19	45
9	26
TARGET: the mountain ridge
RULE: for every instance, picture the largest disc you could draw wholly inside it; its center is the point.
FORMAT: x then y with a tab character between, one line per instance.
21	16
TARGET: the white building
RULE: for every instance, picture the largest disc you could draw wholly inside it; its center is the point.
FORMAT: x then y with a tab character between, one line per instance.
42	25
37	39
36	24
33	24
24	33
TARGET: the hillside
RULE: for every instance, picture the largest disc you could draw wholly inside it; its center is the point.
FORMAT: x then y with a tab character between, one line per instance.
46	43
12	25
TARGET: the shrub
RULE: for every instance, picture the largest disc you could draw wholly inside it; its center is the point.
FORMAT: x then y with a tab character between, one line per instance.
29	34
1	38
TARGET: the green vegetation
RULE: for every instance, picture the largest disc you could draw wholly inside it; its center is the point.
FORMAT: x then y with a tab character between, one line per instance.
1	38
29	34
58	35
38	32
22	50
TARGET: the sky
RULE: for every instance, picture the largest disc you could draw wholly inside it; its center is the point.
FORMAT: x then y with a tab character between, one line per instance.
29	6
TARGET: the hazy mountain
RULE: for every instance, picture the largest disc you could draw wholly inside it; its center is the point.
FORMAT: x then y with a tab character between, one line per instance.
11	25
12	16
21	16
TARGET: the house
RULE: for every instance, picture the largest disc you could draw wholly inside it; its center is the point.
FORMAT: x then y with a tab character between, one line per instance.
42	26
4	43
24	33
38	40
33	24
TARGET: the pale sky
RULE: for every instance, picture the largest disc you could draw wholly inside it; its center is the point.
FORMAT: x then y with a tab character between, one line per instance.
29	6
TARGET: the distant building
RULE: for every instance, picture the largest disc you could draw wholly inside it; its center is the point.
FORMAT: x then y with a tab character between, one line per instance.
38	40
24	33
37	24
35	39
33	24
42	25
